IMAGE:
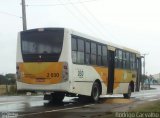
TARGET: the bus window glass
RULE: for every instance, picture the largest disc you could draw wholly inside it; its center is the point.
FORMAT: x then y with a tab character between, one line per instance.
93	48
128	61
74	56
93	59
88	48
80	57
99	57
120	54
124	60
80	53
93	53
119	59
104	60
74	44
104	50
80	45
99	50
104	55
46	42
87	60
134	61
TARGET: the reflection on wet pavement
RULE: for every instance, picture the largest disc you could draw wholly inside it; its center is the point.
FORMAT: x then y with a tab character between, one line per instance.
36	103
21	103
117	100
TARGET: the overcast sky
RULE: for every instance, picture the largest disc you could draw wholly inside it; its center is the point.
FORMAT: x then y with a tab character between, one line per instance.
131	23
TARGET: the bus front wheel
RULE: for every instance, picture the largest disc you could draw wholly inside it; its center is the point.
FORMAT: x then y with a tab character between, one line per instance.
128	95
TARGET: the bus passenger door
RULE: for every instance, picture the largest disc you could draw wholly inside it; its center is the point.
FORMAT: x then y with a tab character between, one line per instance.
111	61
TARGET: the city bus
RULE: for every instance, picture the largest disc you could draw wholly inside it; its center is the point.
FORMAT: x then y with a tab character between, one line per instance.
63	62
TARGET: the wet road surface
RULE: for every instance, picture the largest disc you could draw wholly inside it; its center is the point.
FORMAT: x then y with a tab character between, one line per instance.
36	107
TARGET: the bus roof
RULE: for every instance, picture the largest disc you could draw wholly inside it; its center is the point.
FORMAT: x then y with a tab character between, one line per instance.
103	41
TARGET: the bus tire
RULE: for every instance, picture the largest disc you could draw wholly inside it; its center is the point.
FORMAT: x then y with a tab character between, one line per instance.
95	92
128	95
57	97
47	97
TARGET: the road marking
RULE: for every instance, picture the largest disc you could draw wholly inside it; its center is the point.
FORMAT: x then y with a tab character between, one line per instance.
151	96
56	110
5	102
12	102
153	99
70	108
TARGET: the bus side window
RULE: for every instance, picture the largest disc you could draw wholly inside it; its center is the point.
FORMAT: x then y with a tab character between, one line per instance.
87	52
99	56
132	61
80	53
93	53
74	50
119	61
116	59
128	61
124	60
104	55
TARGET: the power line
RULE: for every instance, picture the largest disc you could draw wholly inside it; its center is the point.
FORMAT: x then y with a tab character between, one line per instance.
88	20
46	5
75	16
85	18
73	4
93	16
10	14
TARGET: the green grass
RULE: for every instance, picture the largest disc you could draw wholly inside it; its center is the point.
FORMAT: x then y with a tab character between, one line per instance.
153	106
147	107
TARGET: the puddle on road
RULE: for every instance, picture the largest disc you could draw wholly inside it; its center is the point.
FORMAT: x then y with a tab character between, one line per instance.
153	99
117	100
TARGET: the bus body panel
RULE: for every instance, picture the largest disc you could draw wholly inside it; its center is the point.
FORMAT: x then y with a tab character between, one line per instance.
84	76
41	72
62	87
120	88
122	79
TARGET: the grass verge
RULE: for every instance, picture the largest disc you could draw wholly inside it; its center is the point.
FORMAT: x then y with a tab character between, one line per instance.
153	106
144	110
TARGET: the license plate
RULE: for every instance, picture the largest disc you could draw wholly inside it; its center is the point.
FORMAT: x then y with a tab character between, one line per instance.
40	80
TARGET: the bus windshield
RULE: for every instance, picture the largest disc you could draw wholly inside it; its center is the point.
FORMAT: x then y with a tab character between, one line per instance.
47	42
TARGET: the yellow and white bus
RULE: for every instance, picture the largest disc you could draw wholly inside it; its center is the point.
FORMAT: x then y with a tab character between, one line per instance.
64	62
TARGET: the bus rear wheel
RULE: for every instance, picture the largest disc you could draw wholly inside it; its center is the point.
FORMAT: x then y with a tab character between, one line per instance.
95	92
128	95
57	97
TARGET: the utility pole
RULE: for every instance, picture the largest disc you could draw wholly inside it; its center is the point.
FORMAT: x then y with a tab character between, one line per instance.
24	15
144	64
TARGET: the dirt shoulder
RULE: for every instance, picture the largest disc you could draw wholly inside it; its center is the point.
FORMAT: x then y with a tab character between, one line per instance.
148	109
152	106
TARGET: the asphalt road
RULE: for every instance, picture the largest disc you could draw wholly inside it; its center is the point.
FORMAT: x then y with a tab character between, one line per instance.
36	107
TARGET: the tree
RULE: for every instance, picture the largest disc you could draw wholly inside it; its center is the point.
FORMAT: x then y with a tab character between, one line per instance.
3	80
10	78
7	79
